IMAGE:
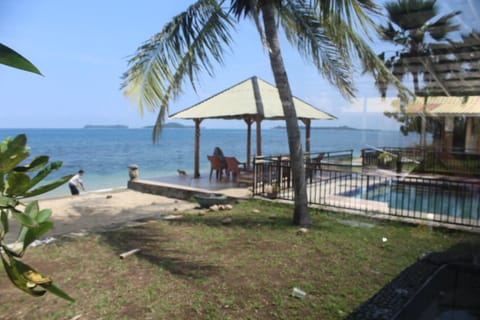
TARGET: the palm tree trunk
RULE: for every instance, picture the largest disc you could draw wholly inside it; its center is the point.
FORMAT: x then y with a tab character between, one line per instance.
301	215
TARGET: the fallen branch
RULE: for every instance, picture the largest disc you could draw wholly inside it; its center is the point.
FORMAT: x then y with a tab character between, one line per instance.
128	253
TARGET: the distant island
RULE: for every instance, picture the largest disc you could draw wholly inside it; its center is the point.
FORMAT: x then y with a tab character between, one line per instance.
107	126
172	125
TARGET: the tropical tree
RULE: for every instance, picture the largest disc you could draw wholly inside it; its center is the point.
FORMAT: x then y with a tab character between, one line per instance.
415	26
18	181
324	32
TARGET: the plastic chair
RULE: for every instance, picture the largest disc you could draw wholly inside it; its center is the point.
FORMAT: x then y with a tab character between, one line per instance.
233	166
215	165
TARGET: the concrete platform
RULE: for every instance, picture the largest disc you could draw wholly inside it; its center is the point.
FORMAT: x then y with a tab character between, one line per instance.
184	187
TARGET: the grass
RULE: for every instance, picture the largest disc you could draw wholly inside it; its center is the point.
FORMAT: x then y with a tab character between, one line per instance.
199	268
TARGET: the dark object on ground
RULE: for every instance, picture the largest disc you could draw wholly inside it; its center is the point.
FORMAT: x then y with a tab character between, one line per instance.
206	201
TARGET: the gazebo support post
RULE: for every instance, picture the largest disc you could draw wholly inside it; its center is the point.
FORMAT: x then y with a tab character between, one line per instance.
307	123
196	173
259	135
249	122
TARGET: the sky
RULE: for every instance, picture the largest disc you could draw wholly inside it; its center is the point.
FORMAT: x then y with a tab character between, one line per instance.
82	48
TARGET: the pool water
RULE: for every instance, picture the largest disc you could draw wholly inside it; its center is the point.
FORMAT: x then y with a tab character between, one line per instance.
438	199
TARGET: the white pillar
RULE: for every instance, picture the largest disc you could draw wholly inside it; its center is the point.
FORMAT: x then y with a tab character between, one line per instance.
449	124
468	135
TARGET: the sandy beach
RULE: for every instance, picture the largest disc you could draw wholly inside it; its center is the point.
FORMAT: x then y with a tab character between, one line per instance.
100	210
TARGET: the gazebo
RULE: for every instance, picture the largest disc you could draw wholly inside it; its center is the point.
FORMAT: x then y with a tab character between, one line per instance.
251	100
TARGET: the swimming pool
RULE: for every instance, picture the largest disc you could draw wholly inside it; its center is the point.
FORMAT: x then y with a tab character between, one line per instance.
449	200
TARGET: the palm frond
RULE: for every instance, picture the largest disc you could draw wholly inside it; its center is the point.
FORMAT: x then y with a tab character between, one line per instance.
372	63
191	43
353	12
304	31
250	9
349	39
441	27
411	14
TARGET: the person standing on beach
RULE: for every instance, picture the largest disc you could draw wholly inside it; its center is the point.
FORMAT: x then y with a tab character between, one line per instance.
75	182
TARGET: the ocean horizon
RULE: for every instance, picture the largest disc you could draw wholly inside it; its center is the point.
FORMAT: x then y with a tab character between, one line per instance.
105	153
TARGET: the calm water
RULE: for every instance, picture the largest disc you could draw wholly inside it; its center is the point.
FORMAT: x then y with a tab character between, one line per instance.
436	199
104	154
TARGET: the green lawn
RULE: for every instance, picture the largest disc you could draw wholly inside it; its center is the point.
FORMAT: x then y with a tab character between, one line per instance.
199	268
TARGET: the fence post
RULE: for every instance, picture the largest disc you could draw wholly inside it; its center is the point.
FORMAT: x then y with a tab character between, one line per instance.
254	189
278	174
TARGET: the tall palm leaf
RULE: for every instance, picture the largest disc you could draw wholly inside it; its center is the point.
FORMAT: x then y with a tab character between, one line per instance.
322	31
183	49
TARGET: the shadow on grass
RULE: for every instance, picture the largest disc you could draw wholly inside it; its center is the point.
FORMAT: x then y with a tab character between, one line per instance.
271	216
238	221
156	248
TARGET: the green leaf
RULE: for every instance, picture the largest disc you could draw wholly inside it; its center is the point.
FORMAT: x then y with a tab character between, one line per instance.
14	249
31	209
12	152
7	202
37	163
2	183
58	292
17	183
48	187
27	234
11	58
15	270
24	219
43	215
20	269
35	233
4	220
42	174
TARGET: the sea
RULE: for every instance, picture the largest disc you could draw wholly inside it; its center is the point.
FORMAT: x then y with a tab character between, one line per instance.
105	153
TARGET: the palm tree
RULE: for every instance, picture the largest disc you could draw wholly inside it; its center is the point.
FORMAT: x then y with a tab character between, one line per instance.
322	31
411	23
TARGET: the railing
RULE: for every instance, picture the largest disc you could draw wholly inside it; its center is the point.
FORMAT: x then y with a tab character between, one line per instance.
437	200
273	174
455	201
422	160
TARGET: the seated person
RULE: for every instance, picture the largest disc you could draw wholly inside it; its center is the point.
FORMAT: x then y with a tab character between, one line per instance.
217	152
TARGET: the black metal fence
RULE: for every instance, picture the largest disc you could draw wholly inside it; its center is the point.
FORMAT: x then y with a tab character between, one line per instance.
273	174
423	160
334	184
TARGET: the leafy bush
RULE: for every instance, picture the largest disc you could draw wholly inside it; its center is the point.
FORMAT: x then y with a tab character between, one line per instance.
17	182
